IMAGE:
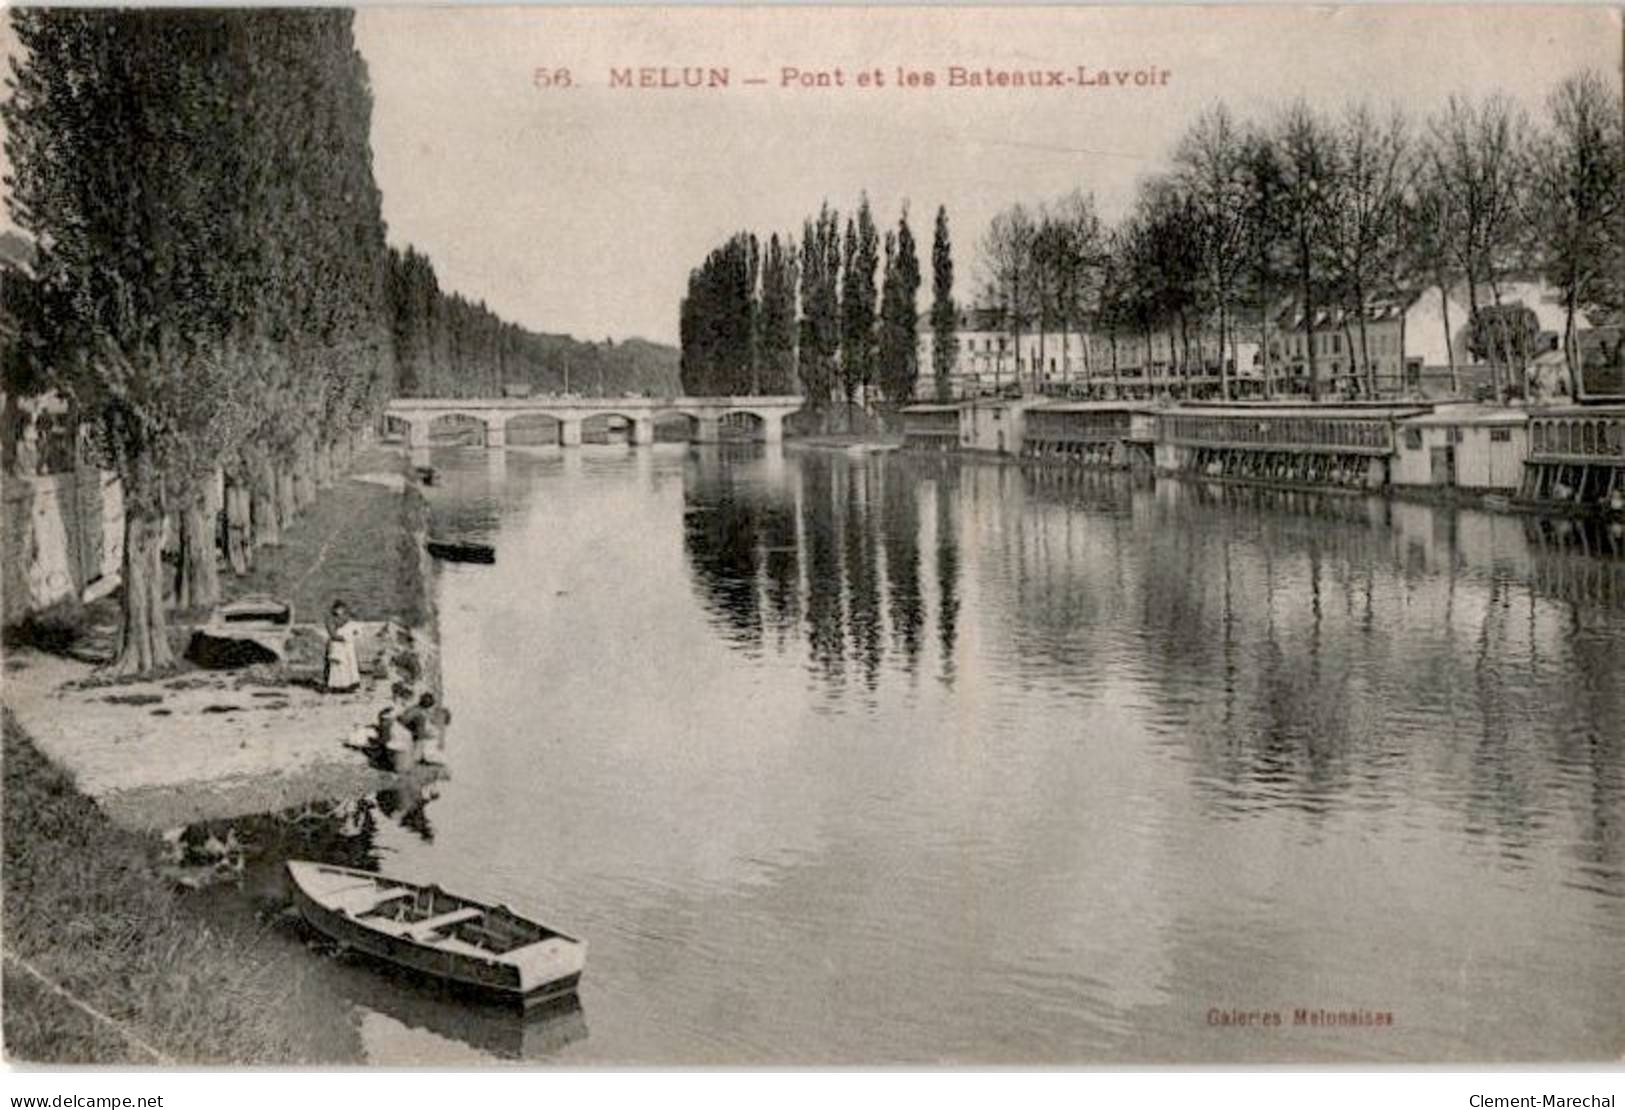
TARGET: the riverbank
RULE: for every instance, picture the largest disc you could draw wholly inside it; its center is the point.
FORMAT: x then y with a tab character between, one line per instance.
105	963
202	743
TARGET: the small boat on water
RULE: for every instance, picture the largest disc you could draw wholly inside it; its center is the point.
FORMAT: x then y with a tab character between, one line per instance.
462	551
439	934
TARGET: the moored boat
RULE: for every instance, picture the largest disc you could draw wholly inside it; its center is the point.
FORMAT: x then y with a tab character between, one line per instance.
462	551
436	933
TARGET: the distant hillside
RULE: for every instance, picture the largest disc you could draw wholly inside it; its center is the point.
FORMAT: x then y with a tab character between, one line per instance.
631	366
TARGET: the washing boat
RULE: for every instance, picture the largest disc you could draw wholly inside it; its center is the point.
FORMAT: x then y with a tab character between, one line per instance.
438	934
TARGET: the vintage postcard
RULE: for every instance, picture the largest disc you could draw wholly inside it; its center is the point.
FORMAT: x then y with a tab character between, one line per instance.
672	536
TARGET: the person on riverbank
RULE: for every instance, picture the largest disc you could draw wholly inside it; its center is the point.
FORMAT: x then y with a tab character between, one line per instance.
342	674
427	723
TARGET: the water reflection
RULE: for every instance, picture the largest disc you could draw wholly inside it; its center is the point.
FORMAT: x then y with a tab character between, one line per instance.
892	759
830	545
1313	652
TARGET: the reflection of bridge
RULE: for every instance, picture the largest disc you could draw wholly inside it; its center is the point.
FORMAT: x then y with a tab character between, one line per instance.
764	415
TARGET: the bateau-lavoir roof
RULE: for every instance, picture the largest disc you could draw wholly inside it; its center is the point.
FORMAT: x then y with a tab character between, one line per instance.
1599	409
1098	406
1454	415
1310	412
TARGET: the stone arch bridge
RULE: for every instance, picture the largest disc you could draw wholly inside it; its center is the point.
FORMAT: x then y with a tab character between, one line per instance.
765	415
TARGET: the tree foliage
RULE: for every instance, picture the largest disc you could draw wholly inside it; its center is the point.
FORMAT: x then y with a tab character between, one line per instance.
899	351
944	313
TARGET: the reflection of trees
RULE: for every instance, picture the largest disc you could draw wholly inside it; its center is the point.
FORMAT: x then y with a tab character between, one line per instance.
862	581
825	634
901	525
1314	651
721	535
947	578
856	532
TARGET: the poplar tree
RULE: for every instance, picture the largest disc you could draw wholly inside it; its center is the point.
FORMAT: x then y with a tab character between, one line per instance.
778	318
899	354
820	329
944	315
861	258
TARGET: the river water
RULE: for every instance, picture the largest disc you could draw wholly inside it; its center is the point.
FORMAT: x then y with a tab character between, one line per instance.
887	759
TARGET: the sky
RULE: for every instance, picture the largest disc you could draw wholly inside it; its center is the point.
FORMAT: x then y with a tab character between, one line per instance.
582	209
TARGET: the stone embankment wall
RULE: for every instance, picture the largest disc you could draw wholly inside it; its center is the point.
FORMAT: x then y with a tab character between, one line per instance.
63	539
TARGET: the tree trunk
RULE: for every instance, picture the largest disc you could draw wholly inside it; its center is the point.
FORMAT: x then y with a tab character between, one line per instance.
287	503
304	474
263	503
1306	274
1449	339
239	527
324	466
197	577
1472	323
1117	374
1571	356
1267	360
1224	367
1365	342
143	644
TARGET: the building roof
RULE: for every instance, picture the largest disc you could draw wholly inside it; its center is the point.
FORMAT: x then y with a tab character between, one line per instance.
1097	406
1313	412
1470	414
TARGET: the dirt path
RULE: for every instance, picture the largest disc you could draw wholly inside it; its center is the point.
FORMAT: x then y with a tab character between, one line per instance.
218	743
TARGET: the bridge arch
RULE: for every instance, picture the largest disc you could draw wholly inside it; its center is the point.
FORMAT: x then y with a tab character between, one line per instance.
533	429
459	427
395	425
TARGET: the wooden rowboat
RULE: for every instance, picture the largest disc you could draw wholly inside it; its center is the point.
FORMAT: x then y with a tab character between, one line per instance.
435	933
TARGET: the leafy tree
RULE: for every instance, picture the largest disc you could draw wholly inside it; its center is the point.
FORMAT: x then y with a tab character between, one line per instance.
126	148
1007	259
1476	152
1574	205
860	259
1507	334
1365	221
1308	167
899	352
780	274
820	337
944	314
1211	171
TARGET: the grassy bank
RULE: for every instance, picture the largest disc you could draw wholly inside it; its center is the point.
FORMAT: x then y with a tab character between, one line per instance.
360	541
85	906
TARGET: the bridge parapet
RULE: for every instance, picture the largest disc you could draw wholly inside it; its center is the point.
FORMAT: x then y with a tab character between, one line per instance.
418	413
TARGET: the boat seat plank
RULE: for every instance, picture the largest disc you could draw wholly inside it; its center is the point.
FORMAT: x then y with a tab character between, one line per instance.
422	930
364	902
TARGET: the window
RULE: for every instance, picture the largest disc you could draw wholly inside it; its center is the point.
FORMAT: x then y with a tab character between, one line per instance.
1337	344
1413	439
1500	435
1455	436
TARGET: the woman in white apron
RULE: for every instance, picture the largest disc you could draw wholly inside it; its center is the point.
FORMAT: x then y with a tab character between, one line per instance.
342	673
